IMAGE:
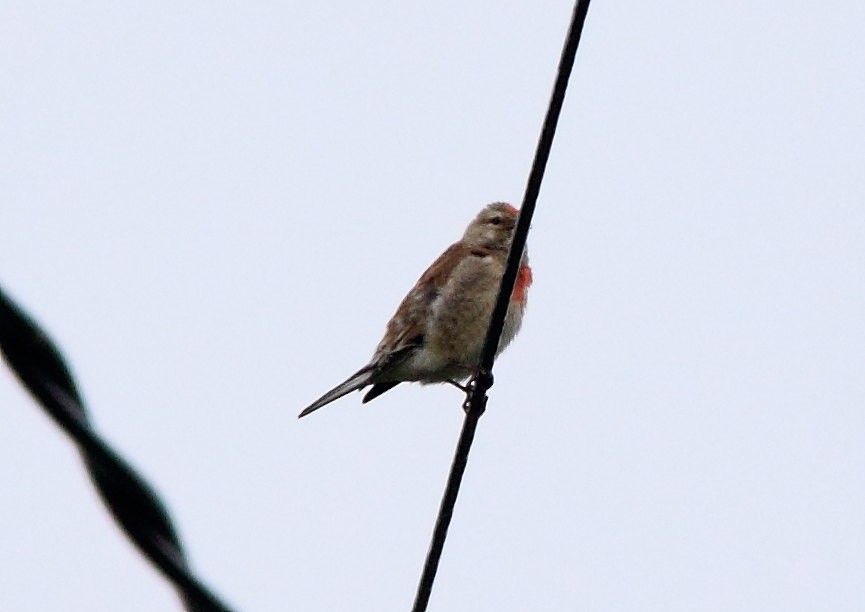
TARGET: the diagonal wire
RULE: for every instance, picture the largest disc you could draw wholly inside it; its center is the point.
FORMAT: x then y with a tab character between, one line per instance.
476	400
32	355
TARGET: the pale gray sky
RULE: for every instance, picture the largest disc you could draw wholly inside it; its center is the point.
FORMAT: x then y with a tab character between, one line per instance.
215	210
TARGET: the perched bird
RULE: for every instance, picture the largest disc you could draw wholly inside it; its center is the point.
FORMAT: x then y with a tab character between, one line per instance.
438	330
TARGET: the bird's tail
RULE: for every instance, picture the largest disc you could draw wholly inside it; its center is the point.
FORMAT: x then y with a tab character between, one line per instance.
356	381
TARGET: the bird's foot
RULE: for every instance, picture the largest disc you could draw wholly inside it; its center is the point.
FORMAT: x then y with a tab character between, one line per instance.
470	389
485	376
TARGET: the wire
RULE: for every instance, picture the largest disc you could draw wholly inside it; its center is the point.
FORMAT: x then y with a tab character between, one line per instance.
35	359
476	399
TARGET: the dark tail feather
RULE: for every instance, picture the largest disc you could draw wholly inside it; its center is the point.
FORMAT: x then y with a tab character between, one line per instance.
378	389
358	380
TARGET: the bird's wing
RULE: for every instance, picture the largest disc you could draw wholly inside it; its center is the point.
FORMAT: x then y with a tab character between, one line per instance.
408	327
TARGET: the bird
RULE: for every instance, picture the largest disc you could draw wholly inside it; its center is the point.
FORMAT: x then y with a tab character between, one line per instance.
439	328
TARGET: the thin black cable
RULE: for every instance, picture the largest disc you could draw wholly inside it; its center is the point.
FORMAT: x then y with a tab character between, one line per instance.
34	357
476	399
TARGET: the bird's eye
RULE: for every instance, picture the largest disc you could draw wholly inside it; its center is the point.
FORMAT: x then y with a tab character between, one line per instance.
496	220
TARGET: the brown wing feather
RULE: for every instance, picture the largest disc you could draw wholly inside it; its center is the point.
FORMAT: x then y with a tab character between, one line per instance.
408	325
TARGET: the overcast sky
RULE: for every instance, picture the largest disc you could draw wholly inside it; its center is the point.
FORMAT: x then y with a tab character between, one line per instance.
214	209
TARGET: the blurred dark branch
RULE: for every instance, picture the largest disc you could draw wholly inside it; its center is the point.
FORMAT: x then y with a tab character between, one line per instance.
135	506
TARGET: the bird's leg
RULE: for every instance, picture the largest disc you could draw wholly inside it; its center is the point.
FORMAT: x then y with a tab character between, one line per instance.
463	388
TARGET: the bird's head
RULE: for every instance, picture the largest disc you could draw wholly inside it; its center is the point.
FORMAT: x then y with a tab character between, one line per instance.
493	227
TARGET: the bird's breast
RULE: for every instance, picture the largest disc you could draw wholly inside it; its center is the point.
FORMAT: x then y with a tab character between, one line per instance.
522	284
